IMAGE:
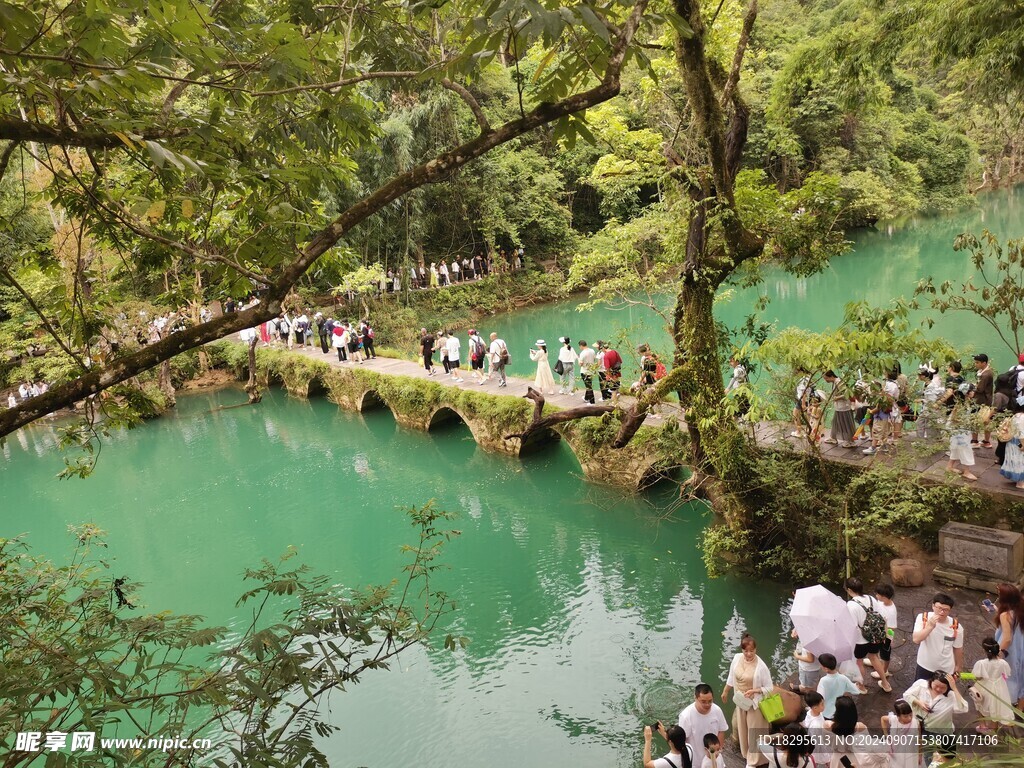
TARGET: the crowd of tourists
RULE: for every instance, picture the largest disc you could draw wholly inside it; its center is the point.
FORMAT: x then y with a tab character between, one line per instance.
874	415
454	270
921	717
598	366
26	390
352	340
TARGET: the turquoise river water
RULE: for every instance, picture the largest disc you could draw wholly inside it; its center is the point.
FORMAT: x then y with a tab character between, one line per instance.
589	613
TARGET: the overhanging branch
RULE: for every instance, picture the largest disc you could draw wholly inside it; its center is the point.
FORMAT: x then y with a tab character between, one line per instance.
14	129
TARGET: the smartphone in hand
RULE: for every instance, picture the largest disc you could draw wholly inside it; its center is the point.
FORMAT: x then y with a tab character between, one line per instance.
988	605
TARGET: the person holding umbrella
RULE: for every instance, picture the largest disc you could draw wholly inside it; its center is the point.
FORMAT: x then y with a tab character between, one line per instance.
752	680
823	622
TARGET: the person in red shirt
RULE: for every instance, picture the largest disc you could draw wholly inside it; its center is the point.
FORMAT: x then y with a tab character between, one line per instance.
609	371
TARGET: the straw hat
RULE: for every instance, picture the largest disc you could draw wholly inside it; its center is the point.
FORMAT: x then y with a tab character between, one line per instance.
541	343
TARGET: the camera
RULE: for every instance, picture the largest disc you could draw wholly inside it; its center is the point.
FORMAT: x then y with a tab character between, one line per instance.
655	725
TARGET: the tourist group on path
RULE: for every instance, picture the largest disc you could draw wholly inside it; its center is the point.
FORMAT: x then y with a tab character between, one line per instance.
918	727
353	341
600	364
873	415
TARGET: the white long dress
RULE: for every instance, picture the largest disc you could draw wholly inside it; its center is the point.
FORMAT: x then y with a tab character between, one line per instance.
544	381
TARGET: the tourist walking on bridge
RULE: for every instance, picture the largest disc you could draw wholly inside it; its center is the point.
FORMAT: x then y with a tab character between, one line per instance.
454	355
284	326
588	367
610	377
499	359
477	353
983	392
543	382
959	427
366	330
843	425
339	342
928	415
427	351
568	358
323	331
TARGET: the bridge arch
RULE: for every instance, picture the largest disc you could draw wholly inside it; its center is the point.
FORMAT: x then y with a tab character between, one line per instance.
370	400
446	415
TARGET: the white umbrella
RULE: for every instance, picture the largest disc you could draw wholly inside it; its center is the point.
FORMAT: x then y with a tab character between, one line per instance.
823	622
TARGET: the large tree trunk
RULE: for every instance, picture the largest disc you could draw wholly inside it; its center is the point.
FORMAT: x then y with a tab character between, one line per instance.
252	388
717	447
164	382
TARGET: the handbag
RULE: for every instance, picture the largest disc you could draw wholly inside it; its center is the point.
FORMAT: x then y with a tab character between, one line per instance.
771	707
559	368
1005	431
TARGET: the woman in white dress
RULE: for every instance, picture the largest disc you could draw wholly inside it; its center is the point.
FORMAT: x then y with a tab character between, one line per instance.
1013	461
544	382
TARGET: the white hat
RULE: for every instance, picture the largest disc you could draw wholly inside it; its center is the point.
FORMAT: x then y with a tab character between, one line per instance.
563	340
541	343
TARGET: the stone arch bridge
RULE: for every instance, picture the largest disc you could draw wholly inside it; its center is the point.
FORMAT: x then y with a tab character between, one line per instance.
427	403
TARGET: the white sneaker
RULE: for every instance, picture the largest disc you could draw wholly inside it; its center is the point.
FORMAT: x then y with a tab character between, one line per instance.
869	451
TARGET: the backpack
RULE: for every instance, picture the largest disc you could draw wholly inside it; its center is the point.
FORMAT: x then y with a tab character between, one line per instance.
504	356
477	349
955	626
873	627
659	370
1006	383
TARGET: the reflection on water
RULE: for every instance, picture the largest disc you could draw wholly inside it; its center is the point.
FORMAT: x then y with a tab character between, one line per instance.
587	613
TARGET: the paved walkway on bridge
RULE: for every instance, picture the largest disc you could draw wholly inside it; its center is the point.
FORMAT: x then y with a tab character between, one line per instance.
931	455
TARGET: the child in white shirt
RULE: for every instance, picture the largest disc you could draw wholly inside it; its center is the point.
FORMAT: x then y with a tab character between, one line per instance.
814	722
884	594
990	692
904	733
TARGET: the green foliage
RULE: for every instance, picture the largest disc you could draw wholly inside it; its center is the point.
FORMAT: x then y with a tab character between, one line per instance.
889	503
995	293
82	655
802	509
870	341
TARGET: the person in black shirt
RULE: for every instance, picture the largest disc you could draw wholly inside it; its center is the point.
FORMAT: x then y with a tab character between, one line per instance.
427	349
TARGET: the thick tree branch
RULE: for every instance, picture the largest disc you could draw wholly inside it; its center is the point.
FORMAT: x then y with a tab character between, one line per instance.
691	56
13	129
541	422
66	394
